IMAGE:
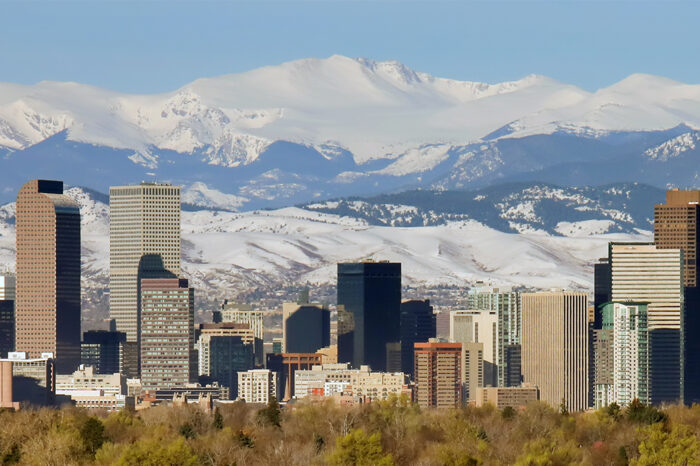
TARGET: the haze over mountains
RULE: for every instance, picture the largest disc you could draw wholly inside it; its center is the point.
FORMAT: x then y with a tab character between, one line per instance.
322	128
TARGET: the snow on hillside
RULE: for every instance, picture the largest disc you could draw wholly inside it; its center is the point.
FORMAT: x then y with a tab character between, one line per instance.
371	109
227	251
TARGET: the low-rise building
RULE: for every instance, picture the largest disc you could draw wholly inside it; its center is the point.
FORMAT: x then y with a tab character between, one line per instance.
331	379
85	378
501	397
33	379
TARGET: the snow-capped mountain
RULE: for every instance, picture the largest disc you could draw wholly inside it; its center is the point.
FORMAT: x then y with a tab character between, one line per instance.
320	128
226	253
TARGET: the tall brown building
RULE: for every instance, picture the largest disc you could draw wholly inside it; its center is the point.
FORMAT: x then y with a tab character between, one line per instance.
438	374
48	274
168	358
676	227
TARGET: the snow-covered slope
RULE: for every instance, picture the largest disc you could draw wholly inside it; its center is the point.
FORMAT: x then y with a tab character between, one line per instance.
225	253
319	128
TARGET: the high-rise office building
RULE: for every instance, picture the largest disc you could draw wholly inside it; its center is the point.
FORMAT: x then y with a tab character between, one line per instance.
506	304
643	273
417	326
438	374
168	358
306	328
144	242
222	329
244	314
47	309
555	347
228	356
101	350
370	292
602	287
482	327
676	227
7	314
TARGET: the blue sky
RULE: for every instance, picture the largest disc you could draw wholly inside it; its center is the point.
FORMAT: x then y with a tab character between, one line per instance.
159	46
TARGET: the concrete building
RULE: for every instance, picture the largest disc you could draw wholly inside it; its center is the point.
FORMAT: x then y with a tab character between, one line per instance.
503	397
6	386
442	324
472	369
329	354
47	309
555	347
286	364
257	386
438	374
86	379
329	379
101	349
643	273
506	304
144	242
676	227
306	328
33	379
417	326
479	326
370	293
167	333
244	314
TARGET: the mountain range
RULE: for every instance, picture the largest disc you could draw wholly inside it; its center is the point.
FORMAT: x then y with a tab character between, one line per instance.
530	235
316	129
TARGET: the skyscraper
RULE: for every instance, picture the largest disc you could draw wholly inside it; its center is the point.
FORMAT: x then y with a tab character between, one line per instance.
370	292
144	242
417	326
643	273
47	310
676	227
438	374
306	328
506	303
168	358
244	314
101	349
555	347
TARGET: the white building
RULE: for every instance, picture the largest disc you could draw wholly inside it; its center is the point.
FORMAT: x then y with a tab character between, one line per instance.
257	385
329	379
630	353
8	286
479	326
84	381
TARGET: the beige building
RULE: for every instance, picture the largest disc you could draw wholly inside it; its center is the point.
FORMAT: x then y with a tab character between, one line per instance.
480	326
330	379
85	379
144	241
555	346
244	314
257	385
502	397
472	369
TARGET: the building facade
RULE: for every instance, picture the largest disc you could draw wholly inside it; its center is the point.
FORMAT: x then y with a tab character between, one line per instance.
438	374
555	347
222	329
506	304
167	333
228	356
257	386
47	309
101	349
417	326
472	369
479	326
643	273
144	242
286	364
7	314
306	328
33	379
244	314
370	293
503	397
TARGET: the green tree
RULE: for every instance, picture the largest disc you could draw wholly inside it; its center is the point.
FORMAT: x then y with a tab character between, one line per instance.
359	449
549	452
218	420
92	432
271	415
642	414
678	447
